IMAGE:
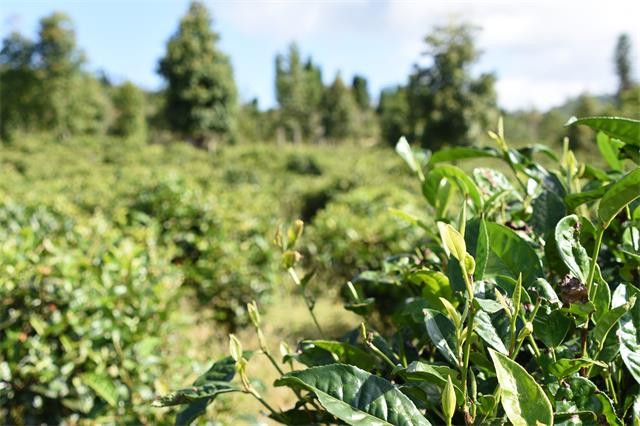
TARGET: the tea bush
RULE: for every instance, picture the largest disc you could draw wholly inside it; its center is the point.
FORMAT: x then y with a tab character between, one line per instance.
85	317
520	307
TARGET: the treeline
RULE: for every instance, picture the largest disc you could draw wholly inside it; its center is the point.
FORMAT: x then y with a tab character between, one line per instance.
46	88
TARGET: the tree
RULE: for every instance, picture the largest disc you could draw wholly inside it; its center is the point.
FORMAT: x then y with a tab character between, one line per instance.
129	104
20	104
201	93
299	91
339	111
622	59
393	112
43	86
448	105
360	89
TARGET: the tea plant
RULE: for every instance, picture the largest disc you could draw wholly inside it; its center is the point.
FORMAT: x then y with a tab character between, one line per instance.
521	306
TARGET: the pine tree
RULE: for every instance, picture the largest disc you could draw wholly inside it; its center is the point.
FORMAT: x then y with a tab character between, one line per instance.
201	93
359	86
622	59
448	105
339	111
299	92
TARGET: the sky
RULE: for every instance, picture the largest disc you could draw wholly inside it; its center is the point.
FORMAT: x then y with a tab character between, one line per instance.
541	51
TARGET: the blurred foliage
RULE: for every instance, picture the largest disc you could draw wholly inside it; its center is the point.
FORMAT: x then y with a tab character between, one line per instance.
86	309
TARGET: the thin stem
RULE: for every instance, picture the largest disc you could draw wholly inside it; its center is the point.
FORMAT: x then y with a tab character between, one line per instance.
594	260
467	345
381	354
273	361
294	276
611	389
589	284
256	395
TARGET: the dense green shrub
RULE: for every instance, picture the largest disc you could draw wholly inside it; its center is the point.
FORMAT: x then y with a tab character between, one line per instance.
520	307
84	318
356	230
225	257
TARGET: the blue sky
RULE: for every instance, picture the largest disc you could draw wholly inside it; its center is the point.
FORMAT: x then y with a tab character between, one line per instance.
542	51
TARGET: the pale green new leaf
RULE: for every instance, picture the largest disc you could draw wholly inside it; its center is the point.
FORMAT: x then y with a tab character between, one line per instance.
452	241
523	400
103	386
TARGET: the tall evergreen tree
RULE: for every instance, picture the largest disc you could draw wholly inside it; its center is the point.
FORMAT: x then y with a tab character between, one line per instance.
359	86
299	92
339	111
201	94
622	59
448	105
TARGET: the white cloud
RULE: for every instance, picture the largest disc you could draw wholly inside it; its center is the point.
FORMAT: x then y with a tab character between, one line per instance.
541	50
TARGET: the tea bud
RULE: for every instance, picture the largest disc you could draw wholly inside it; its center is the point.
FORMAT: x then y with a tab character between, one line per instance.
254	314
448	400
235	348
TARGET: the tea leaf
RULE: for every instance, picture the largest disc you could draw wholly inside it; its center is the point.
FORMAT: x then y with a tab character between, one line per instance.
103	386
484	329
571	251
438	326
523	400
629	328
609	151
452	241
355	396
619	195
625	129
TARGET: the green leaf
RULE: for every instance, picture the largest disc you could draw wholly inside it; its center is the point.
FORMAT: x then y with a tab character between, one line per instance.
548	209
608	320
523	400
456	176
618	196
221	371
452	241
609	151
567	367
419	371
571	251
625	129
103	386
581	398
629	328
439	326
195	393
551	327
345	353
404	150
576	199
510	255
355	396
484	329
463	153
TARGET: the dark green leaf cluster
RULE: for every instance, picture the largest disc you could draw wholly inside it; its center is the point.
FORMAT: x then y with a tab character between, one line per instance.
520	307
